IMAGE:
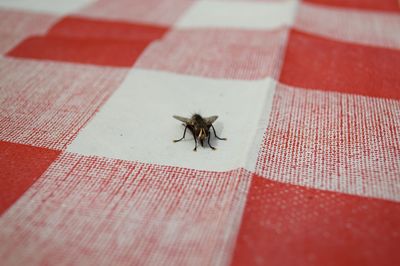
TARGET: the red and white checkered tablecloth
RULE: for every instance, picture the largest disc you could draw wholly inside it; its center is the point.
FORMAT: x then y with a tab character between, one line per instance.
307	93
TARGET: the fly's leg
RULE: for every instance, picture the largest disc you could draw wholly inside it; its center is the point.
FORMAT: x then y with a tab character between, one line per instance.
184	133
195	144
209	142
195	140
216	134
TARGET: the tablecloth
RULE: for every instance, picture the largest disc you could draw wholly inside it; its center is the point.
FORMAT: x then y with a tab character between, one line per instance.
307	94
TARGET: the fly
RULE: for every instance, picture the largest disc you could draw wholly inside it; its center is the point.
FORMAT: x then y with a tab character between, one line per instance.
200	128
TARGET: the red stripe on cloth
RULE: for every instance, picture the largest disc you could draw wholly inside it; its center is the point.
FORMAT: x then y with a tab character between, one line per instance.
285	224
216	53
318	63
333	141
99	211
90	41
21	166
383	5
90	29
86	51
45	104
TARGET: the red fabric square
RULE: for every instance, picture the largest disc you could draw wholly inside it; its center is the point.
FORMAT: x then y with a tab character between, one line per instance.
285	224
319	63
21	166
86	28
90	42
87	51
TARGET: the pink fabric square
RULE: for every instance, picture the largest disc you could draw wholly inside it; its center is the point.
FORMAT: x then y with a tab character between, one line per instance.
218	53
162	12
333	141
350	25
99	211
45	104
15	26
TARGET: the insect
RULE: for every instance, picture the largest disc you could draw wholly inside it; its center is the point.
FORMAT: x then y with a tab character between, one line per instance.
200	128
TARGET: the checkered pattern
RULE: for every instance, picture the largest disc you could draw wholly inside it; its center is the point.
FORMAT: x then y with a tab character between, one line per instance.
307	93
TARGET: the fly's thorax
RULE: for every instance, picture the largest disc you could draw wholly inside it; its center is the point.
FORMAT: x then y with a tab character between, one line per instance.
199	122
197	118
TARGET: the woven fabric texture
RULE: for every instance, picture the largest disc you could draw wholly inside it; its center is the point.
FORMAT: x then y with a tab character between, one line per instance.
307	93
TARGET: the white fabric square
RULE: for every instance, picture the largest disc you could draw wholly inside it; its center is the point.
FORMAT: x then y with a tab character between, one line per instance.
47	6
251	15
136	123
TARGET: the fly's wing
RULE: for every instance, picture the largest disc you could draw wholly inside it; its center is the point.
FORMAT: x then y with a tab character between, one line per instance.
210	120
183	119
